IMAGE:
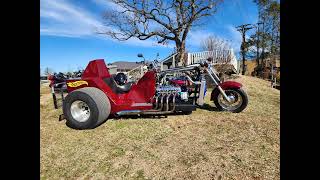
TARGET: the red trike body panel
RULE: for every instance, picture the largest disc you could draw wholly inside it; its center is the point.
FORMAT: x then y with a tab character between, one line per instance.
139	97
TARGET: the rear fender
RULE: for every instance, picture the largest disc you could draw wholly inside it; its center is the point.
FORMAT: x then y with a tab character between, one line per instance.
226	85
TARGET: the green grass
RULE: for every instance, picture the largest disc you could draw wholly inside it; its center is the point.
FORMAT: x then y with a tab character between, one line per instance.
204	145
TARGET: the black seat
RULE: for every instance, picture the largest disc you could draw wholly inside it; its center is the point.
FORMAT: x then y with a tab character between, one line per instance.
126	87
117	88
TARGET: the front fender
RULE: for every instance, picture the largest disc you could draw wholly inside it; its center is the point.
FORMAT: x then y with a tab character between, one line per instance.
230	85
226	85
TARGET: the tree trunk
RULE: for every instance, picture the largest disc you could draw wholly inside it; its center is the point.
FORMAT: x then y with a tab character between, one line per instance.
243	64
263	42
258	48
243	53
181	49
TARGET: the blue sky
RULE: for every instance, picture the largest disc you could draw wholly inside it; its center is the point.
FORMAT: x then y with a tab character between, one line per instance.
68	40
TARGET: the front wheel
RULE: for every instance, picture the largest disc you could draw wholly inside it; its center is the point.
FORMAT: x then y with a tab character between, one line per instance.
239	100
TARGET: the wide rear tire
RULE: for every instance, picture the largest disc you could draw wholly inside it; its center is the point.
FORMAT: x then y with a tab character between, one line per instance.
86	108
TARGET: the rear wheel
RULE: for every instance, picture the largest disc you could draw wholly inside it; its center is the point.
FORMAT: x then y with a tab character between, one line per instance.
239	100
86	108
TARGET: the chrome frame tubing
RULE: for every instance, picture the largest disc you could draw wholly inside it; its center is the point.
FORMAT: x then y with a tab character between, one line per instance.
216	81
179	69
194	82
210	68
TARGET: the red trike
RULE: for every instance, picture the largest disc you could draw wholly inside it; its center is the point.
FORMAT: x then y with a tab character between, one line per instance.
97	95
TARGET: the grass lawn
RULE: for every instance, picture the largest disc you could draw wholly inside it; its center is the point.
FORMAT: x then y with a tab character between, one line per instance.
207	144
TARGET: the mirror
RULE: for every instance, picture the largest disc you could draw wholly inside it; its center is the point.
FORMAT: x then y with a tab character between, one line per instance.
140	55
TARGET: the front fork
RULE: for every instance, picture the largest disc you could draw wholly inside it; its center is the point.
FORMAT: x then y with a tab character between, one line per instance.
216	81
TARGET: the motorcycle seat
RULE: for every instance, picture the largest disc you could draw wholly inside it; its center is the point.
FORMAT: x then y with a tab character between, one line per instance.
126	87
118	89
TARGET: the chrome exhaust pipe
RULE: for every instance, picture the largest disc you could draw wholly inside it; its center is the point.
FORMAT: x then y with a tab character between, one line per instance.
174	102
137	112
161	102
128	112
157	102
167	101
153	112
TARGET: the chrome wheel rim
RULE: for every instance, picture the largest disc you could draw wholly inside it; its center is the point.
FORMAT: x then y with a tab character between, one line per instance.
80	111
236	100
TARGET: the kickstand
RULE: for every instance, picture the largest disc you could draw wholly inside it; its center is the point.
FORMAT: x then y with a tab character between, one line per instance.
61	117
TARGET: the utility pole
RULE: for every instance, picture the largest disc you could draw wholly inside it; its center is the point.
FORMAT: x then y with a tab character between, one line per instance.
243	29
258	43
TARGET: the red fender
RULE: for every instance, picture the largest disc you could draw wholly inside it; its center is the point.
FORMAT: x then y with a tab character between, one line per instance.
230	85
226	85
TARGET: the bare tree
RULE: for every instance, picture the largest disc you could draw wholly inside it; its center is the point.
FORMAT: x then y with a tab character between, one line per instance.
221	46
218	45
215	43
269	16
158	19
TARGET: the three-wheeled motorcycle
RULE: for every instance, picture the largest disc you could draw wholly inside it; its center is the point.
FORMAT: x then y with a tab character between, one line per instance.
98	95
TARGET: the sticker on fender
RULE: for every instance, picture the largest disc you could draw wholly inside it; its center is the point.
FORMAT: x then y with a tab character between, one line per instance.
77	83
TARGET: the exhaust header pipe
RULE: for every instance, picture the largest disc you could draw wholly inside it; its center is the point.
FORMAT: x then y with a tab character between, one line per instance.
147	112
128	112
156	111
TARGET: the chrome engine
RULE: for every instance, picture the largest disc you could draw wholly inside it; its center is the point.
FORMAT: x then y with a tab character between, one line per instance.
166	97
167	89
177	90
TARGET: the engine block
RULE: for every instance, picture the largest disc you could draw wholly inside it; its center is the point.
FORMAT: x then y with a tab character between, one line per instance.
167	89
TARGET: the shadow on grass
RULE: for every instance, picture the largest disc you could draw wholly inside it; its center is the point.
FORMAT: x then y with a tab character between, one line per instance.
208	107
127	117
112	117
205	106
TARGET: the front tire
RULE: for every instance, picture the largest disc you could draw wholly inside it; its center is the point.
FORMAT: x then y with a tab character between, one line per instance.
86	108
240	100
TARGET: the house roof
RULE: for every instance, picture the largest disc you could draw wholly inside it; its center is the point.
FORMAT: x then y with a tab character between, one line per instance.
111	66
125	64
